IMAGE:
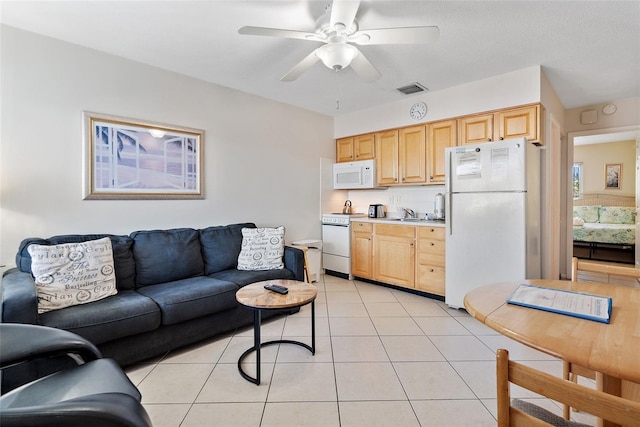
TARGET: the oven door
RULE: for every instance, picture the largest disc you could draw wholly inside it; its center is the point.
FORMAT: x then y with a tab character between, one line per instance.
336	240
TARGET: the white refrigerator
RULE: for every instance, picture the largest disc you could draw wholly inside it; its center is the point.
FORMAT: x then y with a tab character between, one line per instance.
492	204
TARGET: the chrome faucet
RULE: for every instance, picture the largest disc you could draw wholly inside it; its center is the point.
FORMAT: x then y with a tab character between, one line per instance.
409	212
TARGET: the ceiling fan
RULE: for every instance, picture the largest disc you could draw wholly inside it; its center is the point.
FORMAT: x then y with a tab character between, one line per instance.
339	33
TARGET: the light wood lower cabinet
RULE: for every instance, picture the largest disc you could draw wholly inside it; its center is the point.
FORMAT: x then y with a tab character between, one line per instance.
401	255
362	249
394	254
430	265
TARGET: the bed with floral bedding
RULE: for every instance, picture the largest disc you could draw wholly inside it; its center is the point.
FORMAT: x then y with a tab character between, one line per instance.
604	224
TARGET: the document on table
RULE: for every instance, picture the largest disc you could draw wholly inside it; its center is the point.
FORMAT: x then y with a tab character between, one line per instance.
591	307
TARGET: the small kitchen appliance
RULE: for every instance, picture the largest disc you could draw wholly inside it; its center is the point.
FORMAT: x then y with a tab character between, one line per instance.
347	207
438	206
376	211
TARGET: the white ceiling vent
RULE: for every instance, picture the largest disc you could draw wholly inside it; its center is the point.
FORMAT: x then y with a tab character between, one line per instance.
412	88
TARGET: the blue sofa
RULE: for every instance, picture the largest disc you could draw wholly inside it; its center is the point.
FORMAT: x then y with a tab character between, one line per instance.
175	287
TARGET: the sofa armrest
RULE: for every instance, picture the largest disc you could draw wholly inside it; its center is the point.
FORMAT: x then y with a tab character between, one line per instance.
294	261
18	298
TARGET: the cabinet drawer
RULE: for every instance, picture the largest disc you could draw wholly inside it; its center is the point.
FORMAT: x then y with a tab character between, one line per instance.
431	246
431	278
425	258
432	233
395	230
361	227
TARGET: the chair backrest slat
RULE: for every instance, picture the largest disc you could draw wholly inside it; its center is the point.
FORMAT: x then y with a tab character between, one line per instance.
598	403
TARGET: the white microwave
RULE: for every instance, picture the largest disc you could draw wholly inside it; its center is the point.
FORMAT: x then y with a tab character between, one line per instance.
354	175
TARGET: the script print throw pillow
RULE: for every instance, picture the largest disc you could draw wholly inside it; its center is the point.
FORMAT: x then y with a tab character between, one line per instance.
72	273
262	249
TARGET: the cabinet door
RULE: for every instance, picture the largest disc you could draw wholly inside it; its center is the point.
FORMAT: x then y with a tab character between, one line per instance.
441	135
387	159
394	254
362	249
430	269
475	129
364	147
519	122
413	155
344	150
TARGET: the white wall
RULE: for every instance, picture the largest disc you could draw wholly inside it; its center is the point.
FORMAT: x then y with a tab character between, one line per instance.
261	158
506	90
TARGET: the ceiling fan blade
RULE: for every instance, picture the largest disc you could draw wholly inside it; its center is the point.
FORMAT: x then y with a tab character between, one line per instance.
301	67
344	12
406	35
364	68
277	32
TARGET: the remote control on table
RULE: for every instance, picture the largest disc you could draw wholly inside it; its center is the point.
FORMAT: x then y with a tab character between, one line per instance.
277	288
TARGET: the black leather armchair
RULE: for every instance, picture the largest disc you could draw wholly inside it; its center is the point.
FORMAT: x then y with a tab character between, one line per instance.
94	392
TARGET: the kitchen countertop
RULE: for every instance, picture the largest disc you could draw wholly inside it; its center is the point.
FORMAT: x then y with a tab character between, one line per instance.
419	223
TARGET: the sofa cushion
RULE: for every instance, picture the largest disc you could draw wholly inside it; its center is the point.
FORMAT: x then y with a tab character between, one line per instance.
166	255
72	273
221	246
186	299
122	255
587	213
121	315
262	249
617	215
246	277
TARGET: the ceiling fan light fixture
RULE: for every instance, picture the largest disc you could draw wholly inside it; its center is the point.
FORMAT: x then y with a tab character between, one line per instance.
337	55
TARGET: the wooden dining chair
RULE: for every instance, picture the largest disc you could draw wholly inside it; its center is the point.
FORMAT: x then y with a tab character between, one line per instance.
520	413
571	371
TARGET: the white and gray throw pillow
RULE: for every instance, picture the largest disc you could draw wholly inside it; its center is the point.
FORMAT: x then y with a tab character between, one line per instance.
72	273
262	249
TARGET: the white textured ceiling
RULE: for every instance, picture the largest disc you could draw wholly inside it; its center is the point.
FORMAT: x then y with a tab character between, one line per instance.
589	50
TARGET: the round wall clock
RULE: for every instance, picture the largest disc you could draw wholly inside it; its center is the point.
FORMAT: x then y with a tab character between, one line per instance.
418	110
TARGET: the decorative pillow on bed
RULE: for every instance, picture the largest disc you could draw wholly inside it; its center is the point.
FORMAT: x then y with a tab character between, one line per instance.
617	215
578	221
588	213
72	273
262	249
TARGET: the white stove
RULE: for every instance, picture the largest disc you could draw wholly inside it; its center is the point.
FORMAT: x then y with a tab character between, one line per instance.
336	244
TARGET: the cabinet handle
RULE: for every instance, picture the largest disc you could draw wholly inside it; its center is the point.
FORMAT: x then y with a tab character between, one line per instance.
501	138
432	230
489	139
432	244
431	270
431	177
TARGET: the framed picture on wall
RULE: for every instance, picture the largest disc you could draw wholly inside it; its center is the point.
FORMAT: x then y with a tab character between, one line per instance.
136	159
612	176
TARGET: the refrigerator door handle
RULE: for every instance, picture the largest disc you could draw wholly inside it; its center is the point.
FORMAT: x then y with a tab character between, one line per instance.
448	209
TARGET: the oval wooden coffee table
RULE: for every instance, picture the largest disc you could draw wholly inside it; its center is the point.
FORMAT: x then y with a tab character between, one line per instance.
257	298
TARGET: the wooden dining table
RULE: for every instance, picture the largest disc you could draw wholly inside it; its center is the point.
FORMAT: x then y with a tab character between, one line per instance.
612	350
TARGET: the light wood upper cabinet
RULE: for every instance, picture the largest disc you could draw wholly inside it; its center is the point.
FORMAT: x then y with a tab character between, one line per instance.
394	254
387	159
344	150
475	129
510	123
413	155
430	260
440	136
362	147
362	249
519	122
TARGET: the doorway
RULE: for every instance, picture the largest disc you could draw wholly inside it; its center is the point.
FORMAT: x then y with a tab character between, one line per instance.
624	174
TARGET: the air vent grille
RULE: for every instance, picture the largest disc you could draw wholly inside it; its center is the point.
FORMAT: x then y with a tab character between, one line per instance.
412	88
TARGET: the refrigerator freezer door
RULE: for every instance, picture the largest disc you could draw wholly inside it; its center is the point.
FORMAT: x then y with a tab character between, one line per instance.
496	166
486	242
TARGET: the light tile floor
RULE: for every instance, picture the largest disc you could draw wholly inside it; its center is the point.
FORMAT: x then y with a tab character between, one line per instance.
384	357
